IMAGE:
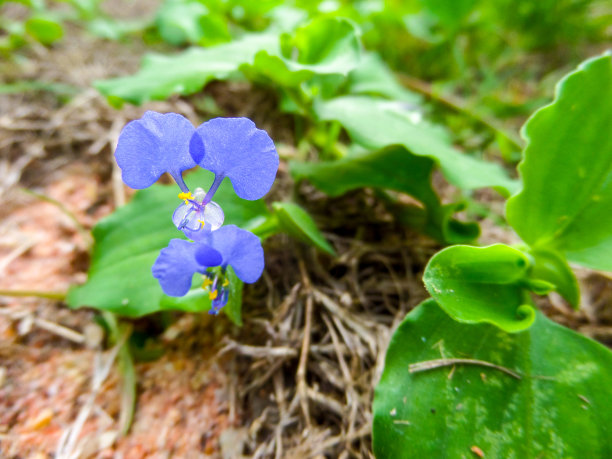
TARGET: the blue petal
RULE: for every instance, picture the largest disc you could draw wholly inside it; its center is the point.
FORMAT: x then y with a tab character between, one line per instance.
152	145
240	249
235	148
175	267
207	256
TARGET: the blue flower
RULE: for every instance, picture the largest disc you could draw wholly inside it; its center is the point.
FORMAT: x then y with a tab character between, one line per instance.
227	246
228	147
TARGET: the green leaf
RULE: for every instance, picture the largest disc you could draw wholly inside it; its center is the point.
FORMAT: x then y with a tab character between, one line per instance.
180	22
552	267
482	284
379	169
376	123
373	77
296	222
557	407
128	242
449	13
325	46
566	201
44	29
187	72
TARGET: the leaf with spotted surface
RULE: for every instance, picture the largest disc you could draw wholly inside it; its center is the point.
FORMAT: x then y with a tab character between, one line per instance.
449	388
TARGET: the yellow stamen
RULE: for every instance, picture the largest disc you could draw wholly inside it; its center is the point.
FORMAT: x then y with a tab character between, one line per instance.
225	282
213	295
185	197
207	283
202	222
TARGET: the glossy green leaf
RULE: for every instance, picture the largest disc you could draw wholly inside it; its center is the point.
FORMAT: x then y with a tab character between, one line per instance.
128	242
296	222
566	201
187	72
552	267
376	123
482	284
379	169
543	393
326	46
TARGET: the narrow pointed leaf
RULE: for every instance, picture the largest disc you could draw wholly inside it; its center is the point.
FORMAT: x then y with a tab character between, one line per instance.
298	223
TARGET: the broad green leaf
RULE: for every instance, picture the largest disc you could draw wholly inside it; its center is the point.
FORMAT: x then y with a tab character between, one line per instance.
44	29
379	169
556	405
296	222
180	22
373	76
566	201
482	284
128	242
187	72
325	46
376	123
331	45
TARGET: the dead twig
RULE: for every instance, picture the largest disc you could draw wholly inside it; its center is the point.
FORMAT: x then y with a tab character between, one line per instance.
302	387
257	352
438	363
52	327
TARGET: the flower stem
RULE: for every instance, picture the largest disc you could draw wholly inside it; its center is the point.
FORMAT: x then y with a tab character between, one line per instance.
178	178
213	189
